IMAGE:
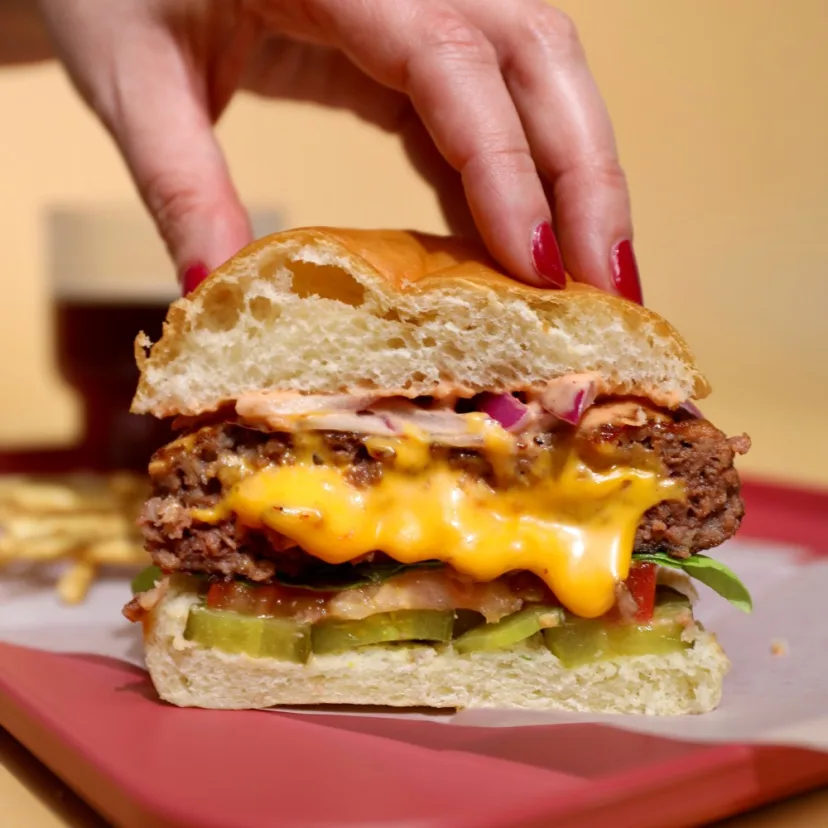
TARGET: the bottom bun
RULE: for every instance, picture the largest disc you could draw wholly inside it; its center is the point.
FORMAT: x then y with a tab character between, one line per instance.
526	676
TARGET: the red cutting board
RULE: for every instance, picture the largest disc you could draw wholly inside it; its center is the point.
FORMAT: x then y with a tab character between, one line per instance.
98	724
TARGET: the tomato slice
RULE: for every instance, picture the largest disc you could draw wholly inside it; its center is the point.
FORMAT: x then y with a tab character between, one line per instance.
641	583
235	597
264	599
261	599
216	595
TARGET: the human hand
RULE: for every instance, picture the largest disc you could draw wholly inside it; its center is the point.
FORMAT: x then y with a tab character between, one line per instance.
494	102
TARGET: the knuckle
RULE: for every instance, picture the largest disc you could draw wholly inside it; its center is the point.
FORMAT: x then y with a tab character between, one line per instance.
170	200
598	174
499	161
449	45
608	174
450	37
553	31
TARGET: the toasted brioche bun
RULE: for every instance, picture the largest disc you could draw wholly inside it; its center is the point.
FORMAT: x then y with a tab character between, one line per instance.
526	676
320	310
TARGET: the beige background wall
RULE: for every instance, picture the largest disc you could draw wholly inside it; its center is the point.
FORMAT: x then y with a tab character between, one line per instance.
722	118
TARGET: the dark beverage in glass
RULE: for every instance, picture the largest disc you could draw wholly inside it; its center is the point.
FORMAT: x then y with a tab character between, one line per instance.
94	351
109	278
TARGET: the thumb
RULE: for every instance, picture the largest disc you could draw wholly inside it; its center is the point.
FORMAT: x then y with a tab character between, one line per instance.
163	128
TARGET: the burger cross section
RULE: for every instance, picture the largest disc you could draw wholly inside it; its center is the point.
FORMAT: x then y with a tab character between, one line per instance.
401	478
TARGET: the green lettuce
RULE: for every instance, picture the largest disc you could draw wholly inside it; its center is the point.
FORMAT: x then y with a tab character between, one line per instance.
711	572
324	577
320	577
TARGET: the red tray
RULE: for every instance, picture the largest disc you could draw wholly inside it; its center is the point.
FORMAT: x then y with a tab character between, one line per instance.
98	724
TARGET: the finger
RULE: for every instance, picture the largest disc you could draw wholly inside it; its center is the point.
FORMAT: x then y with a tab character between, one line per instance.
165	133
151	101
449	70
571	137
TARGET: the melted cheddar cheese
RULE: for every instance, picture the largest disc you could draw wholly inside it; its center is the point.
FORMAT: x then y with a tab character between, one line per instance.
574	528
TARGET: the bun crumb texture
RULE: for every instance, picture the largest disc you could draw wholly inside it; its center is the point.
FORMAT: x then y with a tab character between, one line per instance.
527	676
321	311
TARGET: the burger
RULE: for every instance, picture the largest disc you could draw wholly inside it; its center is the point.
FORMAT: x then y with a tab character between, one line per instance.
401	478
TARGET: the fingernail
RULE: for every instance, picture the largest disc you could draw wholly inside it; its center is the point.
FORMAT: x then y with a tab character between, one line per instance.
192	276
546	256
625	272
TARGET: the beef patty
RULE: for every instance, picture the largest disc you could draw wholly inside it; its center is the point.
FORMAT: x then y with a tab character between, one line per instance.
192	472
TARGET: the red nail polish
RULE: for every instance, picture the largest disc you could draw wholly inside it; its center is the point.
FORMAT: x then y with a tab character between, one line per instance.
546	256
625	272
192	276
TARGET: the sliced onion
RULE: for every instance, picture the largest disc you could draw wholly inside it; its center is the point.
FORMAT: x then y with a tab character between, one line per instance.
396	405
677	580
509	411
370	424
263	404
442	425
691	409
625	603
404	412
424	590
569	397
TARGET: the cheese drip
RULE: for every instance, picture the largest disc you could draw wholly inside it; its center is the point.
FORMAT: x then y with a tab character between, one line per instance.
573	528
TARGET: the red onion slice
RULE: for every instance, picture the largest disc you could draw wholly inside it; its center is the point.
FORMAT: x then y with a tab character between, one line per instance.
441	425
366	424
691	409
509	411
569	397
265	404
401	411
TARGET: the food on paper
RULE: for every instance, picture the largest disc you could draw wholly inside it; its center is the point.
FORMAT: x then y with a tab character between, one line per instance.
402	478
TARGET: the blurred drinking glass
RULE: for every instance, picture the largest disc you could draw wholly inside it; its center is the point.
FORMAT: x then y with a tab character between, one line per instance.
109	278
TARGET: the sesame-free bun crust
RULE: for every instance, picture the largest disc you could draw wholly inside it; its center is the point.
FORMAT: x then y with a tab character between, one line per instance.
526	676
321	310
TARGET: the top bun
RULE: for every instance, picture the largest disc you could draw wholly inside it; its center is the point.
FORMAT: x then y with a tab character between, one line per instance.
322	310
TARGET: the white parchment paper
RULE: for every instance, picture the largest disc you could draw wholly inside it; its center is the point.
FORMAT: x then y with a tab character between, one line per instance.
777	691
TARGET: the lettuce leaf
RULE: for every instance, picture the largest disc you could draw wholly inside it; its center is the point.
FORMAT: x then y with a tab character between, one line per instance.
711	572
321	577
334	577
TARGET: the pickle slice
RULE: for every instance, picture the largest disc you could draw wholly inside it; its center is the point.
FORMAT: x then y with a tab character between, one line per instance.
582	641
403	625
511	630
257	637
145	579
579	641
658	638
465	620
285	640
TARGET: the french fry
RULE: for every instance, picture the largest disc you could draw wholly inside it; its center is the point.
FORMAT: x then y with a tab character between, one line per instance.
40	549
115	551
85	520
75	582
46	497
73	527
